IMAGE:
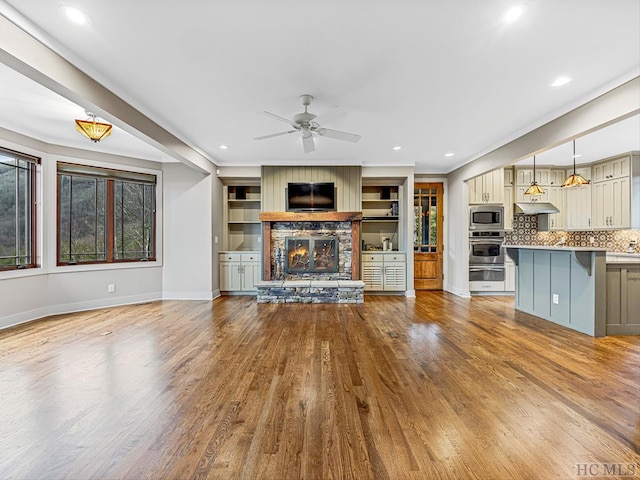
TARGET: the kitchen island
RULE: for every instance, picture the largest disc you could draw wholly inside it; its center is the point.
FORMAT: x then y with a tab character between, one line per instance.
564	285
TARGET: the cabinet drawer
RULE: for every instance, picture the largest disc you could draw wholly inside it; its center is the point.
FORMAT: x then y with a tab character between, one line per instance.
373	257
486	286
229	257
249	257
395	257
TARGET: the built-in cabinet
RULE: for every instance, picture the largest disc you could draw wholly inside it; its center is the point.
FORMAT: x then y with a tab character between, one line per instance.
487	188
612	193
242	227
380	215
239	261
508	198
239	271
623	299
578	201
384	271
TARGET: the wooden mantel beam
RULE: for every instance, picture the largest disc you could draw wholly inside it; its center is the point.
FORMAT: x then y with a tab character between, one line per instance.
310	216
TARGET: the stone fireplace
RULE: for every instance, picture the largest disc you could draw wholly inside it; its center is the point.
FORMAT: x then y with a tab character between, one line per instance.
311	258
311	255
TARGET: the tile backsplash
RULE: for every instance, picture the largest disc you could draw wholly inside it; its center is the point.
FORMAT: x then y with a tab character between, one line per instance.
525	232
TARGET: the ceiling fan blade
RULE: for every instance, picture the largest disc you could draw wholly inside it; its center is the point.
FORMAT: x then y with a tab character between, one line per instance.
281	119
330	116
338	135
274	135
307	143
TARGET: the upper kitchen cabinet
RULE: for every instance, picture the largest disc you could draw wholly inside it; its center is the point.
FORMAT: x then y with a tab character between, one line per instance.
524	176
616	193
578	202
487	188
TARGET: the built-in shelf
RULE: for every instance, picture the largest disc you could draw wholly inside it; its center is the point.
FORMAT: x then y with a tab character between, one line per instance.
242	223
380	214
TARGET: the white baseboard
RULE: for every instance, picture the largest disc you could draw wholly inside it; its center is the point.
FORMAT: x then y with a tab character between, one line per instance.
458	292
187	296
32	315
410	294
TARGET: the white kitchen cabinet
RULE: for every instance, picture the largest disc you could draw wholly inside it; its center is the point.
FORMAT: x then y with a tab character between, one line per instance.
487	188
509	275
555	221
521	197
557	176
239	271
611	204
578	200
615	168
384	271
508	208
524	176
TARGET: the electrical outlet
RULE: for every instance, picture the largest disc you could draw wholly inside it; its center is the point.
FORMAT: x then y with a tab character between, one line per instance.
215	240
111	287
592	240
556	299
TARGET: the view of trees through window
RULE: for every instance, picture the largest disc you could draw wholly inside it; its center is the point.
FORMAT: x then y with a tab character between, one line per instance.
103	216
82	219
17	210
133	220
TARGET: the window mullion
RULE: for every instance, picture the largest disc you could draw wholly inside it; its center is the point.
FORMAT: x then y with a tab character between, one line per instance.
110	212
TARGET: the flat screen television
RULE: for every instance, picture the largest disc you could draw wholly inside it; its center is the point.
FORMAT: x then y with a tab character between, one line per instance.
311	197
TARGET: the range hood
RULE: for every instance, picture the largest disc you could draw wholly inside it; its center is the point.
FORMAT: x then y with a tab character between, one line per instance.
534	208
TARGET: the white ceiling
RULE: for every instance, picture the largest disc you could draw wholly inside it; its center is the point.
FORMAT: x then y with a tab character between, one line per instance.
433	76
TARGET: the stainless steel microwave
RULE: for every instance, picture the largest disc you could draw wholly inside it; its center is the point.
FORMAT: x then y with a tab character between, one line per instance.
486	217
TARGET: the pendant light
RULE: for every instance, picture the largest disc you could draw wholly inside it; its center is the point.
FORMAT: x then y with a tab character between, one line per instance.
92	129
534	188
575	179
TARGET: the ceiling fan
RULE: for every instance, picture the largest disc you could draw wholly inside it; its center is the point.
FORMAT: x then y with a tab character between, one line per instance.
309	125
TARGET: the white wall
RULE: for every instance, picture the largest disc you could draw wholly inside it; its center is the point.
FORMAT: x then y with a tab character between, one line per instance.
615	105
187	272
33	293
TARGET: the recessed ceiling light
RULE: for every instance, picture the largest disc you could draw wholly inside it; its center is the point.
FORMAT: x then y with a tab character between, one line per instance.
396	147
449	154
514	13
224	147
76	16
560	81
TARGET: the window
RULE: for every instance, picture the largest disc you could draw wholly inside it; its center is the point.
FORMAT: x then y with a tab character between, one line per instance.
17	210
105	216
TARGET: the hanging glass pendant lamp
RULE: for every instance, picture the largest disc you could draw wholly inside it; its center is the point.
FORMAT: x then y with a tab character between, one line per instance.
534	188
575	179
92	129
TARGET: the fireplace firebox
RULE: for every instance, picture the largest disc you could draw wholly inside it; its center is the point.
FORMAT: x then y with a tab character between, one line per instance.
312	254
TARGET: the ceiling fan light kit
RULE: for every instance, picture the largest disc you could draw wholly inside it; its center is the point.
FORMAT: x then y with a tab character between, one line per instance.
92	129
309	125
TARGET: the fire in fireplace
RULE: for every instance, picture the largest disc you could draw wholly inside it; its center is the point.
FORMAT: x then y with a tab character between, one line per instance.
312	254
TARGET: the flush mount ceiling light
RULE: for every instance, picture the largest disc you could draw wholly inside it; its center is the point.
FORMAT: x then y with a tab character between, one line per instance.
560	81
575	179
534	188
92	129
514	13
75	15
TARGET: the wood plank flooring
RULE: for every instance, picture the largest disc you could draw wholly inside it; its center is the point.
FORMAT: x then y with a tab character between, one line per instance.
437	387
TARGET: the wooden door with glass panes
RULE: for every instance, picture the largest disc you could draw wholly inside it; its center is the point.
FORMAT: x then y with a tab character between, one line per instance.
427	236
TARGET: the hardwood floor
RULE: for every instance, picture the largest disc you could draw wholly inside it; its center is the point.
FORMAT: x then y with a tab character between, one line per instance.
427	388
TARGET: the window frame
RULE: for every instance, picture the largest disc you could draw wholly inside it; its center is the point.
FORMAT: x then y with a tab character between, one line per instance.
34	169
110	175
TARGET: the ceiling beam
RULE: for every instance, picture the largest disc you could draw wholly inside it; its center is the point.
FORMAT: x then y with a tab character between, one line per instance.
28	56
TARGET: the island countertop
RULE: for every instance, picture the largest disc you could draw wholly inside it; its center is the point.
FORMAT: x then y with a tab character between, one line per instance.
559	248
